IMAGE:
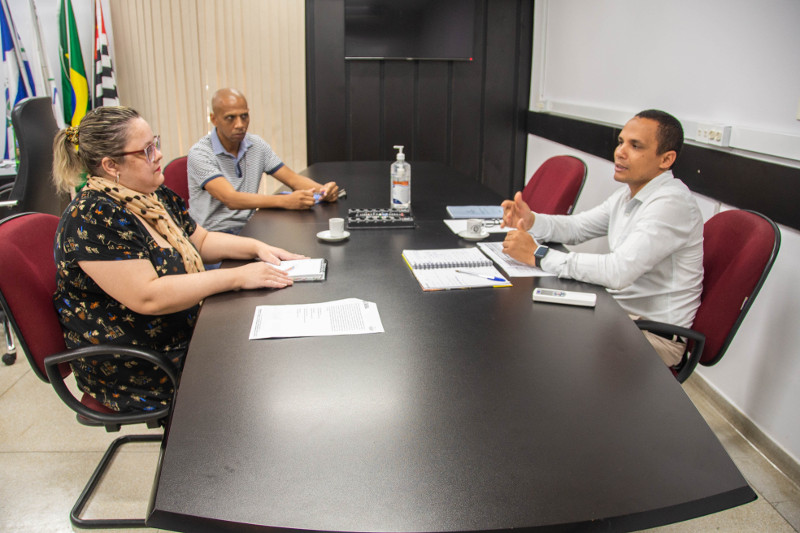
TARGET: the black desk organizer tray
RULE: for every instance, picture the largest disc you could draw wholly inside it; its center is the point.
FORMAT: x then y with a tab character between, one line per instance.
379	219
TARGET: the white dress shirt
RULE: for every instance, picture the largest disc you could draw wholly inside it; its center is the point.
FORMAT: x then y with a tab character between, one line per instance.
655	267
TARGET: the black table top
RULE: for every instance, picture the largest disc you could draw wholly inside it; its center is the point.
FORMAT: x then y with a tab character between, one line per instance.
475	410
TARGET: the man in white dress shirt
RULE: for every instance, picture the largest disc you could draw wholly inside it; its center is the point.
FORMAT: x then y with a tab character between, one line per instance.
655	233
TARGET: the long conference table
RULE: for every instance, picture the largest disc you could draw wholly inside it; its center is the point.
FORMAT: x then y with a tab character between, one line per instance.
476	410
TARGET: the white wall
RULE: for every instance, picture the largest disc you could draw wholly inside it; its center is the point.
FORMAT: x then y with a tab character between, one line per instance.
721	61
604	42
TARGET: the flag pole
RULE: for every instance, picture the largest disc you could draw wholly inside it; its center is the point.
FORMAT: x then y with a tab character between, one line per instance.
47	72
92	87
17	46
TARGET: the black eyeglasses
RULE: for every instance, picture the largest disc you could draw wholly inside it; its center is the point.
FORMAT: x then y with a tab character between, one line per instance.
149	150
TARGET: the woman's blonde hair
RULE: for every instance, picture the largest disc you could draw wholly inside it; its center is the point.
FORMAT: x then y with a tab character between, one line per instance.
103	132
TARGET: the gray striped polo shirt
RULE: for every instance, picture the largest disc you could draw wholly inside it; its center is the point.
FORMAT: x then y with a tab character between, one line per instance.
209	160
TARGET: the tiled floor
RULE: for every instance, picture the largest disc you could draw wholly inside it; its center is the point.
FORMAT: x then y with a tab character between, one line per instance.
46	457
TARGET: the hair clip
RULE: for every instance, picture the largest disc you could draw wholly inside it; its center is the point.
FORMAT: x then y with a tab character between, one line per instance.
72	134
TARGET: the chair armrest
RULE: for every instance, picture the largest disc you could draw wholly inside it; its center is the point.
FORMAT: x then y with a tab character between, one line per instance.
52	363
692	354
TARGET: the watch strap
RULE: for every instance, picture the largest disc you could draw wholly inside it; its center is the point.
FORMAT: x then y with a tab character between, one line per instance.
539	254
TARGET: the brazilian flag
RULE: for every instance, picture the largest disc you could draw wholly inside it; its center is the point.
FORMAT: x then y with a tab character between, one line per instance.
74	87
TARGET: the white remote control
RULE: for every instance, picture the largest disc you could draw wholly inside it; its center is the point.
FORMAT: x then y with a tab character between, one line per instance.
554	296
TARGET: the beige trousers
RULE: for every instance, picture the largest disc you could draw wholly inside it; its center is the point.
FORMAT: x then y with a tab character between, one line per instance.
668	350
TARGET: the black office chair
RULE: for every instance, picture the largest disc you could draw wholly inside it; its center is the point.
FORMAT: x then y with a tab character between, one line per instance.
35	128
33	190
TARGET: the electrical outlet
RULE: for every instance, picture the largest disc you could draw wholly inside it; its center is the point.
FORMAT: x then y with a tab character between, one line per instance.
702	133
713	134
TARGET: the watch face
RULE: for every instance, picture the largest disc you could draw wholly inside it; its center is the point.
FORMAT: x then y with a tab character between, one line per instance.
541	251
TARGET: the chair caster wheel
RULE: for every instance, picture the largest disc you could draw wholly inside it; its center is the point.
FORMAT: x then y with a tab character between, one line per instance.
9	358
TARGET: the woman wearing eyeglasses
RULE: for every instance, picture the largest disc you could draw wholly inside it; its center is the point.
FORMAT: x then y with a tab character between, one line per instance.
130	259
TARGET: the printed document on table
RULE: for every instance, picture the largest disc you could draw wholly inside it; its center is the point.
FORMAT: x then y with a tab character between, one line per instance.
475	211
512	267
492	225
350	316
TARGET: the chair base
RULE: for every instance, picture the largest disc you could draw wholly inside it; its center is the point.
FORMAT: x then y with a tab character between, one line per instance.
88	491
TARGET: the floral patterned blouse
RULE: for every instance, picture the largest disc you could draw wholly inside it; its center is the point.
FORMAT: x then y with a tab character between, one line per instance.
95	228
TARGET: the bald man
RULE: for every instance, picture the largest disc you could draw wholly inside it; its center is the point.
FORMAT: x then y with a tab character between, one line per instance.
225	169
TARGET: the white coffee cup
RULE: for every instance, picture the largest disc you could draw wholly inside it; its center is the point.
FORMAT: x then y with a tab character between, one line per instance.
475	226
336	227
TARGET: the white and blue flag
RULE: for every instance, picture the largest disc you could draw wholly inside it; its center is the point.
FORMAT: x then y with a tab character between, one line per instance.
16	74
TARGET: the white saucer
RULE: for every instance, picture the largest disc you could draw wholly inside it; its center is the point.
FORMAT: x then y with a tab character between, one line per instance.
326	236
472	236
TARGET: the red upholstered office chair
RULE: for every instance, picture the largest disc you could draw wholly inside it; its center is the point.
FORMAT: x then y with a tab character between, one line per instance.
176	178
739	248
27	284
555	186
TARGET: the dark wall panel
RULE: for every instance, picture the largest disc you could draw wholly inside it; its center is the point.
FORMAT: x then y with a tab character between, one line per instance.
466	132
742	182
465	119
596	139
500	112
466	114
399	106
525	28
363	110
430	141
325	83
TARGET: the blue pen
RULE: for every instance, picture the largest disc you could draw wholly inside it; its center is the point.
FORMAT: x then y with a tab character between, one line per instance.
490	278
317	196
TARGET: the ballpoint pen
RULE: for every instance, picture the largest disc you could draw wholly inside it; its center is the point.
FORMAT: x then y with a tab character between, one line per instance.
318	196
490	278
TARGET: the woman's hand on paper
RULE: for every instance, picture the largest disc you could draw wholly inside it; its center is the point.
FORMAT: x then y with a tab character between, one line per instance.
261	275
274	255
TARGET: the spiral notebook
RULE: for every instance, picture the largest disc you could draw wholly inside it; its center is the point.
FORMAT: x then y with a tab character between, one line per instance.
453	268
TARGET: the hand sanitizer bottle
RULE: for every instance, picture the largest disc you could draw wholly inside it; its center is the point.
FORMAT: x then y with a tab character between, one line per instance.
401	182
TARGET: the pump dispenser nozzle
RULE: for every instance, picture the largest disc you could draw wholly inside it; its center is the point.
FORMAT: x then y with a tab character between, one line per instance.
400	155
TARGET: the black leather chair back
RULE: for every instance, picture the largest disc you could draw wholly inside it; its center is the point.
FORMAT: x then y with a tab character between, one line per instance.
35	128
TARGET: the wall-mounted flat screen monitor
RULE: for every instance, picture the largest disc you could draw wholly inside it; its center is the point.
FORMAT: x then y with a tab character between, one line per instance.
409	29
